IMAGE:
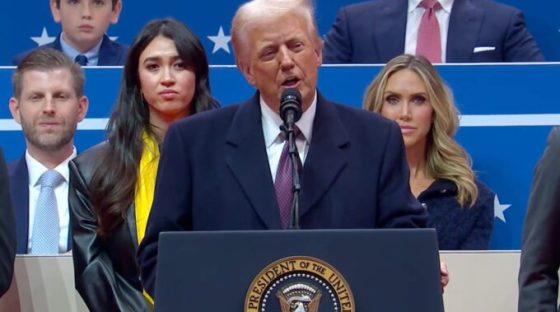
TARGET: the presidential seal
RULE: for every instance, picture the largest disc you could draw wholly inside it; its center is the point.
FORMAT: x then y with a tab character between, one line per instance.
299	284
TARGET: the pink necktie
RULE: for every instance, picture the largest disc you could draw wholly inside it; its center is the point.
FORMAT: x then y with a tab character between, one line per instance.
283	183
429	39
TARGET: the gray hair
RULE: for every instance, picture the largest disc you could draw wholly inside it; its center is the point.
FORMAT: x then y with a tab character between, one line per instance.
260	11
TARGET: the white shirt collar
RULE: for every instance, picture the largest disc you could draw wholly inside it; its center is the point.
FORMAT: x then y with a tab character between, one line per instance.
36	169
92	55
446	5
271	121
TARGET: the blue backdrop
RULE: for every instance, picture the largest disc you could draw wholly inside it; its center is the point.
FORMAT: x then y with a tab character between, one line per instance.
21	21
507	113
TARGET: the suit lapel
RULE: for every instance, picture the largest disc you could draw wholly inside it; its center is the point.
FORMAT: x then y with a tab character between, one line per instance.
464	26
105	52
326	156
248	161
19	185
390	22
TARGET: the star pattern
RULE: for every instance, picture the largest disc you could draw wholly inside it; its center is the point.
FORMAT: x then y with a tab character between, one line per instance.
220	41
499	209
44	38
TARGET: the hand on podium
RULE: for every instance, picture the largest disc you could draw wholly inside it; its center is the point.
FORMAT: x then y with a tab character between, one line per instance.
443	275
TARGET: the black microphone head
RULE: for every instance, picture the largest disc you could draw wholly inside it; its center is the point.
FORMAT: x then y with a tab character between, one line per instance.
290	101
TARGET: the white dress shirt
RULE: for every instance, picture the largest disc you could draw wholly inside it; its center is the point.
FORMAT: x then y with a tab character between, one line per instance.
414	16
271	122
36	169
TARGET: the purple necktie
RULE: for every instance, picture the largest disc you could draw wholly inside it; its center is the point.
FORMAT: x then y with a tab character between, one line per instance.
283	183
429	39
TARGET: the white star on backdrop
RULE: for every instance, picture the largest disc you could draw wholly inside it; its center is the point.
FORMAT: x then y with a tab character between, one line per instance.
220	41
499	209
44	38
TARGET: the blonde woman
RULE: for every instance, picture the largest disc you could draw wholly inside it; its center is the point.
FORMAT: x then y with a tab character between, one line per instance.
409	91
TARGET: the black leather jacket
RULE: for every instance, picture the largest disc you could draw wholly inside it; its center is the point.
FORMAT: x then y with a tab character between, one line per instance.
105	268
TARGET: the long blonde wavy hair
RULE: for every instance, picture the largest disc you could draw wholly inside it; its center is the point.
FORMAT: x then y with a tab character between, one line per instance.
445	158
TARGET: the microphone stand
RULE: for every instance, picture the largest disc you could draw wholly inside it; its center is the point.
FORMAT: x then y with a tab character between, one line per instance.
296	186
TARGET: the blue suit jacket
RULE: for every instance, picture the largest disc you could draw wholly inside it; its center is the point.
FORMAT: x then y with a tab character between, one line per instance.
19	187
214	175
110	53
374	32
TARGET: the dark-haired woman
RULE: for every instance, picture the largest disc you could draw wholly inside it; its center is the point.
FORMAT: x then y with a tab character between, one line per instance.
165	79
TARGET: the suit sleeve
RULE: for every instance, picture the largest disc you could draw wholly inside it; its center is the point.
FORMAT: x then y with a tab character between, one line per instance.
337	46
397	206
7	230
520	46
100	286
479	237
540	256
171	206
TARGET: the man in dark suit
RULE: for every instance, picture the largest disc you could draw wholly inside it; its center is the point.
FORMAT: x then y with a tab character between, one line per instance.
7	230
540	254
216	170
84	24
48	103
477	31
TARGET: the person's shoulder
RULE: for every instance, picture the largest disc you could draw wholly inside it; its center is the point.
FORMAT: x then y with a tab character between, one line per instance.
18	166
87	162
112	52
485	194
114	45
493	7
554	137
207	122
367	6
91	155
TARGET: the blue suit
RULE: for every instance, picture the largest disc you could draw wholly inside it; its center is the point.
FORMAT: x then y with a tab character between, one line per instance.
110	53
375	31
19	187
214	175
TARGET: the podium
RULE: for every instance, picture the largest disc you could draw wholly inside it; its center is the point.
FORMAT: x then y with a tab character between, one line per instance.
299	271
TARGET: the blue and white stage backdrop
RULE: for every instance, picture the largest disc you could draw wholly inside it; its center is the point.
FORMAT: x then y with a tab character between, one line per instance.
507	112
27	24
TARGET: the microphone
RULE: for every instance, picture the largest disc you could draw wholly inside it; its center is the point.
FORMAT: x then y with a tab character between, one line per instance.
290	106
290	112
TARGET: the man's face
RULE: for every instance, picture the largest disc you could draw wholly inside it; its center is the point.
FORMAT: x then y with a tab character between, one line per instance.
48	109
281	53
85	21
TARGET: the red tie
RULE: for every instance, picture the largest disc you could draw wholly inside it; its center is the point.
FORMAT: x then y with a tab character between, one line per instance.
429	39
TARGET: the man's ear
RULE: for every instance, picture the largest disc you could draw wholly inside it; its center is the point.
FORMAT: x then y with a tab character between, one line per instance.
55	11
14	109
319	51
83	105
117	8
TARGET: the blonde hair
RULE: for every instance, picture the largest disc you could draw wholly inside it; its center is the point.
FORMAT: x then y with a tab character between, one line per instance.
261	11
445	158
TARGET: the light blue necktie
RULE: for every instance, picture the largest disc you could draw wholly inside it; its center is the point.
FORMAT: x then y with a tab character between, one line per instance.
46	224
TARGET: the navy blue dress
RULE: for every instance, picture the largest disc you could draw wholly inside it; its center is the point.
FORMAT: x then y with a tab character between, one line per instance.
459	228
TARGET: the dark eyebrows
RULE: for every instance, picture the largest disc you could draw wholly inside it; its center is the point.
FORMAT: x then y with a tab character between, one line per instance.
159	58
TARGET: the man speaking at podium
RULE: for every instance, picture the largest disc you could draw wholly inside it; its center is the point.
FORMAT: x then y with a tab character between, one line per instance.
218	170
